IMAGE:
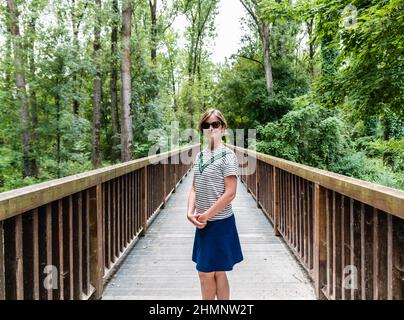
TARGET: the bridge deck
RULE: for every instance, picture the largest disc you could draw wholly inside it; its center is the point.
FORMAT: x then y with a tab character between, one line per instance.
160	267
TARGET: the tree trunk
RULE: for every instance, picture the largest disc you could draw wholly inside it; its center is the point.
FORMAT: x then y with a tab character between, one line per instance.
32	95
310	30
153	29
96	156
113	84
29	161
76	46
267	57
126	90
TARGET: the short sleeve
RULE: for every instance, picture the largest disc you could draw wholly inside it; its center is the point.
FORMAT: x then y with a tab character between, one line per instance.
230	165
196	158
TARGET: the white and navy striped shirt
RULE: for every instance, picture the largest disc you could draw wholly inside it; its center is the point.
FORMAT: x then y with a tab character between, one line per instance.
209	173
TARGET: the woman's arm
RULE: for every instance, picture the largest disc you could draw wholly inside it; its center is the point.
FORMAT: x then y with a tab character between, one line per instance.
230	185
191	209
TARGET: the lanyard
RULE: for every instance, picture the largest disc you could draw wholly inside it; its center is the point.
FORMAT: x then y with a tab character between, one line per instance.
202	166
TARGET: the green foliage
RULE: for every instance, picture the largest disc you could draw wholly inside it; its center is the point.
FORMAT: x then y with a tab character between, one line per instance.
369	63
316	137
310	135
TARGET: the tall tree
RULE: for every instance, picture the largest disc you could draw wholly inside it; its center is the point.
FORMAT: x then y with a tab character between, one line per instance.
113	82
263	28
29	161
76	14
153	30
96	152
126	88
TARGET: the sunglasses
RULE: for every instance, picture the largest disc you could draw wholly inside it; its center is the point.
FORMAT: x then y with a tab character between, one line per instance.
214	124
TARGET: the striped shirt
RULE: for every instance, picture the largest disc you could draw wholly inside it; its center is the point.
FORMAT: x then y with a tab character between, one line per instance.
210	168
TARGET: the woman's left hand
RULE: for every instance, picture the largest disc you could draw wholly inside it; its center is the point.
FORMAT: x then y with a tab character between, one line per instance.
203	218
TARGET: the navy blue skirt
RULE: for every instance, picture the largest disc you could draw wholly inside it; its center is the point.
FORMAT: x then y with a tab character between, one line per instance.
217	246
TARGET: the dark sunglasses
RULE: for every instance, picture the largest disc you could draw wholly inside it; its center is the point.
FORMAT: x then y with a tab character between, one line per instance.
214	124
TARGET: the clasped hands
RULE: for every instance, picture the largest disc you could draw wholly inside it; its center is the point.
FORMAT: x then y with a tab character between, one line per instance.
199	219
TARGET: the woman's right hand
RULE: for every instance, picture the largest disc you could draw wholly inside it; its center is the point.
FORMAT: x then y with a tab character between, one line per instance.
193	218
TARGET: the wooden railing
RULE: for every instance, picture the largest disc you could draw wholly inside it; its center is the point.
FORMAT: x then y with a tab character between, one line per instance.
62	239
347	233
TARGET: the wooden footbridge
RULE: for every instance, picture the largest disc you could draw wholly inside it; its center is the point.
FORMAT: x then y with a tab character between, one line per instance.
120	232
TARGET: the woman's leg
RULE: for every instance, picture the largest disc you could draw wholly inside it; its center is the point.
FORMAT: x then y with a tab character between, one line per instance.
222	286
208	285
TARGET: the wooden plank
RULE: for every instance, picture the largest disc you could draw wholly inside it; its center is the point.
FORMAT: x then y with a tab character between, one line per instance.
130	224
257	184
319	231
304	222
275	202
125	221
164	182
2	278
13	258
114	222
109	225
86	243
355	218
328	242
301	216
145	200
78	247
390	257
106	224
346	247
398	258
337	245
19	258
71	248
118	217
293	210
96	246
61	249
366	250
289	194
49	264
31	255
310	214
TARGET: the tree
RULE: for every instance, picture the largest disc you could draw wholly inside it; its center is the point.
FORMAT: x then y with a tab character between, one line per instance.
30	165
113	82
263	28
96	158
126	85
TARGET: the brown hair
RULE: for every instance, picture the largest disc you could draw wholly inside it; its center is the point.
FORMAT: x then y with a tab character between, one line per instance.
210	112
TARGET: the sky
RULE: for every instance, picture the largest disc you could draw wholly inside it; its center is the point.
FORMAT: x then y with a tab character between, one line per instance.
228	29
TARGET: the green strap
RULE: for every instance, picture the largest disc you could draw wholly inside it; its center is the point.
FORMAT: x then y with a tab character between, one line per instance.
211	160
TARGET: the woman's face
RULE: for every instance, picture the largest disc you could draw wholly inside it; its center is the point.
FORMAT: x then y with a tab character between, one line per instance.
213	133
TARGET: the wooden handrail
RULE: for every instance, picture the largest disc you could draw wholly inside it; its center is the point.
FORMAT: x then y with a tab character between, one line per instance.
381	197
76	230
19	200
347	233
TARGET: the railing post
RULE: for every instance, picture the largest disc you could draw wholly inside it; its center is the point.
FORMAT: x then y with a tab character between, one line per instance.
175	179
144	201
319	239
275	201
164	184
96	240
257	176
2	279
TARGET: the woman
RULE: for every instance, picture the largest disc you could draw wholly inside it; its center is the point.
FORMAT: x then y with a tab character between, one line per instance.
216	244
